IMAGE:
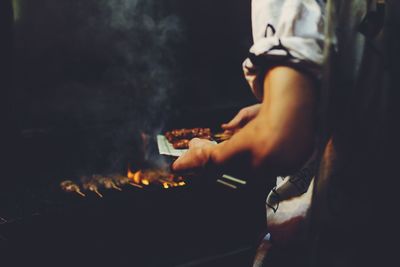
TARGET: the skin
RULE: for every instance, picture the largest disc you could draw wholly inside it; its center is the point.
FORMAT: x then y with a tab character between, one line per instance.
242	118
274	138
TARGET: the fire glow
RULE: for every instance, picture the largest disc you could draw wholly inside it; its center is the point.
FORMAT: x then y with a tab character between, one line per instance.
135	177
154	178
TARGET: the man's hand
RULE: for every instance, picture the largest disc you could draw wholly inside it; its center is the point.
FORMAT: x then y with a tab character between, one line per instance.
196	157
276	142
242	118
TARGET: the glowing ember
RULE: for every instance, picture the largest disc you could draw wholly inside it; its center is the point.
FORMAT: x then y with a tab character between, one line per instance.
135	176
140	179
130	174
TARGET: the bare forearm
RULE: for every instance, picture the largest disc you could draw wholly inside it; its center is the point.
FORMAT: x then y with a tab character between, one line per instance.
281	137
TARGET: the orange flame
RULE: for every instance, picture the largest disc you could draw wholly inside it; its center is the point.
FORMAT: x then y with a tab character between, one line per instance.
130	174
135	176
140	178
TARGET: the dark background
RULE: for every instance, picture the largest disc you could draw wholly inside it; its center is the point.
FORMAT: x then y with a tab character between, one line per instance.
86	62
81	80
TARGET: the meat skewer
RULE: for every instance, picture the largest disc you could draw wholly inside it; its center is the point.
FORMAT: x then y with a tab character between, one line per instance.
180	138
69	186
90	184
107	182
181	144
135	185
179	134
121	180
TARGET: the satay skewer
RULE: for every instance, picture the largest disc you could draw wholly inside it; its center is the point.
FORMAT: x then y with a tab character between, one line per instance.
121	180
96	190
90	184
116	187
70	186
107	182
80	193
135	184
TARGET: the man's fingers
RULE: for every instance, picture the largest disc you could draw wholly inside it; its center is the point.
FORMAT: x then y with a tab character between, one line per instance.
242	118
188	161
194	142
234	123
196	157
181	164
198	143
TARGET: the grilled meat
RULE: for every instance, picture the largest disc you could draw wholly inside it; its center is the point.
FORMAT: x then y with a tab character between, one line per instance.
179	138
91	185
181	144
71	187
107	182
121	180
179	134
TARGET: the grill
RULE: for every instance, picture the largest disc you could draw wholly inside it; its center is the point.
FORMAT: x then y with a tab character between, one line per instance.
88	85
200	223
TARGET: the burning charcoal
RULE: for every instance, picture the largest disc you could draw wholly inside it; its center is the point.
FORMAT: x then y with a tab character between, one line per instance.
91	185
161	177
107	182
69	186
156	176
145	181
177	179
135	178
167	183
165	178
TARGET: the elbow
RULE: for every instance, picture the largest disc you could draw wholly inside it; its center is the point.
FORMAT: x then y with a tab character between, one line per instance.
282	156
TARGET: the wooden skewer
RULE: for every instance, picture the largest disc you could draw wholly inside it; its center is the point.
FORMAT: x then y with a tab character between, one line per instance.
223	136
233	179
227	184
97	192
136	185
69	186
80	192
116	187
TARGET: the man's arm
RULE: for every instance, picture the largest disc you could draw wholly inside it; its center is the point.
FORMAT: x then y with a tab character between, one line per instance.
244	116
278	140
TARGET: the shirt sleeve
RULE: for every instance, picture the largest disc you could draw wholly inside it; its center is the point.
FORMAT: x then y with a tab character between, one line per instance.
285	32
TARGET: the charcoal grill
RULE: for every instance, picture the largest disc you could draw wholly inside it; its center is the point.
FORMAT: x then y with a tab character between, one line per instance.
135	227
48	142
